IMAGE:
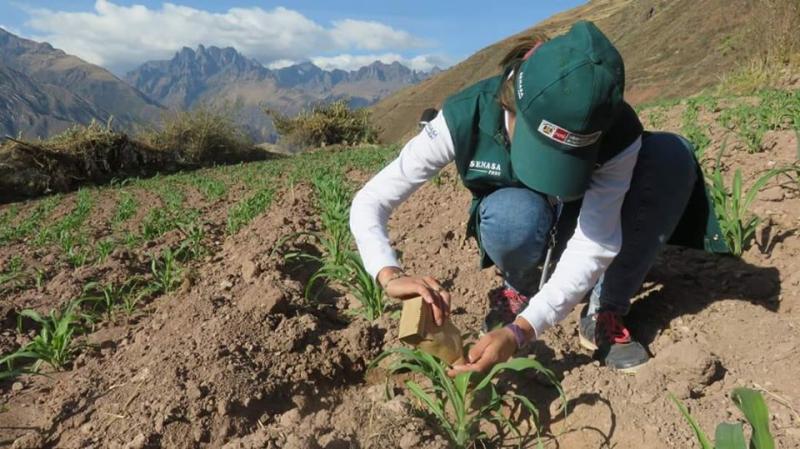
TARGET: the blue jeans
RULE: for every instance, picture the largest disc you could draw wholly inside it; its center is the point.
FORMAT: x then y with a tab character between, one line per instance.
516	223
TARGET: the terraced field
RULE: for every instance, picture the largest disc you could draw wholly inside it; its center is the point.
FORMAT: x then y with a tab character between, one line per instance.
226	307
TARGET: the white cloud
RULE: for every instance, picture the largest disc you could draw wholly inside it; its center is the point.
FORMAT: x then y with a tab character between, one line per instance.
121	37
281	63
422	63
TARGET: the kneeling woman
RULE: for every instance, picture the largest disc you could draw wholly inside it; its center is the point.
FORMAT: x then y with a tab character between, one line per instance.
551	153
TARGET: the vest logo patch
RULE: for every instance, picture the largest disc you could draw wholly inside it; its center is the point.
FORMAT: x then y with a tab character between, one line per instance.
489	168
561	135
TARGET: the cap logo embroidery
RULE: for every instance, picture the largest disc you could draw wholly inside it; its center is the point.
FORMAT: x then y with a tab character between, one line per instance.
520	88
561	135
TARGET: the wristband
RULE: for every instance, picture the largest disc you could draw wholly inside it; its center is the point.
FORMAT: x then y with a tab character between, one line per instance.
519	335
397	275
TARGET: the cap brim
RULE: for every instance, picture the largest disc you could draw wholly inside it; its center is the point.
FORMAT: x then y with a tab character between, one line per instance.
548	166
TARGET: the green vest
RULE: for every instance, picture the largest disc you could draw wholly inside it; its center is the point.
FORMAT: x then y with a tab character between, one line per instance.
475	119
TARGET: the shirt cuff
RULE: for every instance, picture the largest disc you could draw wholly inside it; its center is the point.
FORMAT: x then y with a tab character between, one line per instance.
539	314
379	261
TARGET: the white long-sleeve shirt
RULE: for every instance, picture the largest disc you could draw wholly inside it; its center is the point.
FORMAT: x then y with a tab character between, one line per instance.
595	243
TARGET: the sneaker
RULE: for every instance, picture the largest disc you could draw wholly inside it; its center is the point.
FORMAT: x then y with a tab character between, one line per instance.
605	333
504	306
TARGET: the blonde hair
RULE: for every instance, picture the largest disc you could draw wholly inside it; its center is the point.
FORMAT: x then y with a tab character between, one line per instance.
511	62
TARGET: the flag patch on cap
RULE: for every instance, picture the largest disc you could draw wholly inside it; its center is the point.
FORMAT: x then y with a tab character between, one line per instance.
561	135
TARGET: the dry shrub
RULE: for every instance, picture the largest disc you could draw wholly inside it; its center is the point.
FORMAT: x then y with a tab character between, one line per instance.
325	124
201	136
83	154
773	34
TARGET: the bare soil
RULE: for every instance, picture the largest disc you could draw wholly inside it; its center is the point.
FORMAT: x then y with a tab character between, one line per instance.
236	358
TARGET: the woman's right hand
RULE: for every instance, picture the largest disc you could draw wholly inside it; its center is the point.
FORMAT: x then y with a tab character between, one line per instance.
398	285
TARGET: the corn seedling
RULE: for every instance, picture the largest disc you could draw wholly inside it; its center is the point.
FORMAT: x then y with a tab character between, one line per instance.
192	245
731	435
241	214
338	262
53	344
692	129
732	205
5	220
776	110
165	271
104	248
74	249
126	208
105	297
39	277
156	223
32	222
365	289
13	276
71	223
212	189
133	292
459	404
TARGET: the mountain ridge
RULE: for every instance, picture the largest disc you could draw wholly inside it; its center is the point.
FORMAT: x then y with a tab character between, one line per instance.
225	77
82	90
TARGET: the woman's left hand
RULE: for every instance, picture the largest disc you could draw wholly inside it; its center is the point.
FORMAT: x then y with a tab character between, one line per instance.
495	347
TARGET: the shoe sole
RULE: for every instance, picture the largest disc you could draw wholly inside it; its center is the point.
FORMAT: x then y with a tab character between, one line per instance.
593	347
587	344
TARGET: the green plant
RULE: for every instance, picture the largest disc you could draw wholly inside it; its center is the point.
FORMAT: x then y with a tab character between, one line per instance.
326	124
6	218
165	271
191	247
656	118
13	276
69	227
459	404
74	249
338	262
39	277
212	189
365	289
133	291
32	222
106	296
692	129
732	205
104	248
245	211
731	435
53	344
775	109
127	206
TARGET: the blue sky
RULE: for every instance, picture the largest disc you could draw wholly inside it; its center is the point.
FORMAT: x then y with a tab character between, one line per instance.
120	34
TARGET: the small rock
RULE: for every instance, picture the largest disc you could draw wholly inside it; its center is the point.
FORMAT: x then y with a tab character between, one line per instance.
193	391
409	440
138	442
226	285
17	386
250	270
290	418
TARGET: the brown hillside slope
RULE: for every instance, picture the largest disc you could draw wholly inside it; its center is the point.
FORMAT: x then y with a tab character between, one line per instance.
67	88
671	49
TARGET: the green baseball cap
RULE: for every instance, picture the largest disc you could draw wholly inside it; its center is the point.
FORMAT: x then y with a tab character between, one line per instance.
568	93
